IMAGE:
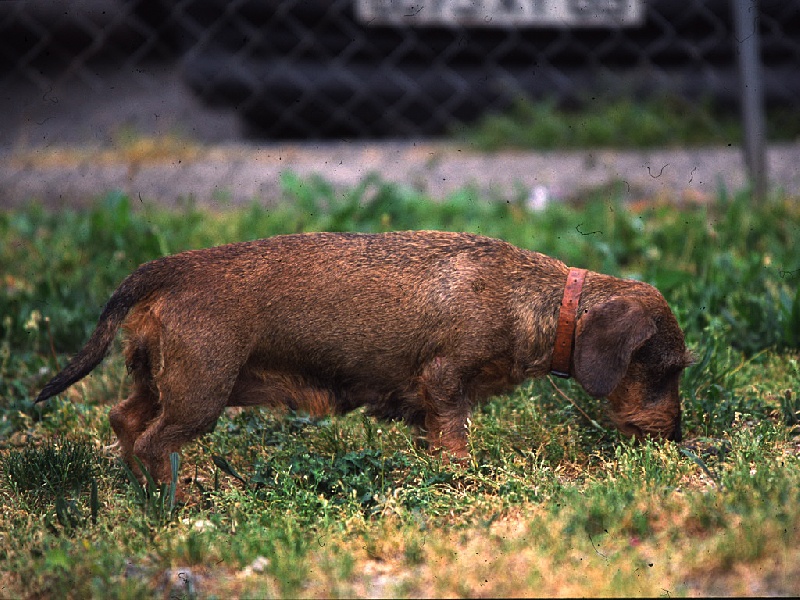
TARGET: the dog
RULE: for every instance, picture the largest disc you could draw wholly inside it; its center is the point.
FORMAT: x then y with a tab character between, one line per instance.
418	326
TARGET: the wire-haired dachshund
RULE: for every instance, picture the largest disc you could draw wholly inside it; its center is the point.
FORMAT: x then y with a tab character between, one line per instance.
418	326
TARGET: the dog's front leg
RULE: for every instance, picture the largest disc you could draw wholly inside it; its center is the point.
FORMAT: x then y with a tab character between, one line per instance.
446	408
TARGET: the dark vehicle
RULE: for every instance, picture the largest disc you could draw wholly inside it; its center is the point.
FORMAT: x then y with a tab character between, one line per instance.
329	68
381	67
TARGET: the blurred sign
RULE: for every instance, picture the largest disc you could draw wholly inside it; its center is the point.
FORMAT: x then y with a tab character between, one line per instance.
501	13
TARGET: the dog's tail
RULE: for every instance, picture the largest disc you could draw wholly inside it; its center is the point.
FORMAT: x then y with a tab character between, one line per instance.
138	285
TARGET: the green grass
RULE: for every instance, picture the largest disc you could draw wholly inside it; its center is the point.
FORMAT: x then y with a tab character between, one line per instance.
55	469
285	505
618	123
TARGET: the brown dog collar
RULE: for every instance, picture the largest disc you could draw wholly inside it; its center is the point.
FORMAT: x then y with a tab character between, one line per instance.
565	330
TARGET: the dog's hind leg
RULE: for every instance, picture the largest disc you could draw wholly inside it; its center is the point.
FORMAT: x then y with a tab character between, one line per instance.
130	418
193	390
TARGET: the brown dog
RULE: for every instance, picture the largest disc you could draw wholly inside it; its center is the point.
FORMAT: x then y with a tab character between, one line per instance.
414	325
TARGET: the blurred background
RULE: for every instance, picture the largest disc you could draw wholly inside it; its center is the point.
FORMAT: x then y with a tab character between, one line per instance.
493	74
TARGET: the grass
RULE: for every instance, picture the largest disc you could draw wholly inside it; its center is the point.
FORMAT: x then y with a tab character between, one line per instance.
618	123
54	469
286	505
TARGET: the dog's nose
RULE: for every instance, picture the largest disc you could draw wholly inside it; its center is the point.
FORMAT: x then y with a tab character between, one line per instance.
677	434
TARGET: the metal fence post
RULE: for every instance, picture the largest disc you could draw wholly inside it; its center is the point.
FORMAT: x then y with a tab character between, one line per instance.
745	16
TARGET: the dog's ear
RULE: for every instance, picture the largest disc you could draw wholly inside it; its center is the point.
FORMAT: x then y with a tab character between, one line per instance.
606	336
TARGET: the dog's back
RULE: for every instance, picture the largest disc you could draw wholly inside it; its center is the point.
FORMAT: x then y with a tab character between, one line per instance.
352	303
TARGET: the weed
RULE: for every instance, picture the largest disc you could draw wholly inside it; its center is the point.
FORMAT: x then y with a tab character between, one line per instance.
790	407
157	500
57	469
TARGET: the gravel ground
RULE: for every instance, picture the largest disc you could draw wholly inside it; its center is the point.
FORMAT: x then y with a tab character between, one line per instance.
231	174
67	146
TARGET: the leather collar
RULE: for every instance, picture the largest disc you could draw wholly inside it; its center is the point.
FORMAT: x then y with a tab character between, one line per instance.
565	330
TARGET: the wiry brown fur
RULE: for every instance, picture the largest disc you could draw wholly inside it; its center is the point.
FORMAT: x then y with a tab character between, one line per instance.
417	326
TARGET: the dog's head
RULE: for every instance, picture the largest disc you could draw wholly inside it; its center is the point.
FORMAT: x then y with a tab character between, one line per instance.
631	350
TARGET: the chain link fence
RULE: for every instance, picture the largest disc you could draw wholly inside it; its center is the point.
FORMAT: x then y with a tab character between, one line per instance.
365	68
